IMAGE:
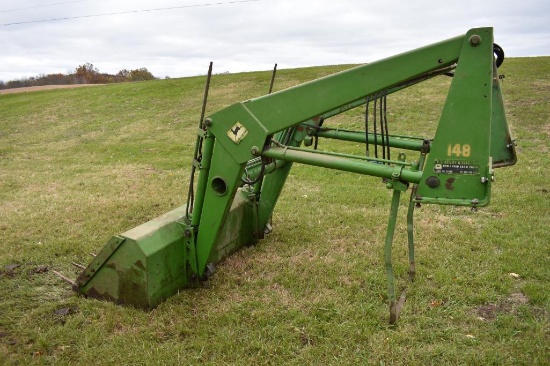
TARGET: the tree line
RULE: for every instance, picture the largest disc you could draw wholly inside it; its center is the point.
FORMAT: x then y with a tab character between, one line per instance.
83	74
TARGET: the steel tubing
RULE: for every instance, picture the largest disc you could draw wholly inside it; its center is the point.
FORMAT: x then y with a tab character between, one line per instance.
340	163
354	136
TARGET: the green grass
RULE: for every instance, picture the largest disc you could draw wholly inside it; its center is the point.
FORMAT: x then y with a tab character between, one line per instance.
77	166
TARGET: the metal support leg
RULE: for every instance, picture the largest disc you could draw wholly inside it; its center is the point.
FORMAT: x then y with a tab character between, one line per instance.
394	307
410	235
410	212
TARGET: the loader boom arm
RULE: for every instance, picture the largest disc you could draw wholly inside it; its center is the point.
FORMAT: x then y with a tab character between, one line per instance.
459	157
333	94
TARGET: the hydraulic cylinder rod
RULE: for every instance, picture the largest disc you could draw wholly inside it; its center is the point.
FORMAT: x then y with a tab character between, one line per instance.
207	150
355	136
341	163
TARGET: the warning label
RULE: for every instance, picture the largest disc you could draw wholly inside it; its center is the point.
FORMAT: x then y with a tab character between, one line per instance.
456	167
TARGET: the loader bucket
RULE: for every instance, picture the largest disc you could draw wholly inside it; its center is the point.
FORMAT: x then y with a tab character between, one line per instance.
141	266
150	262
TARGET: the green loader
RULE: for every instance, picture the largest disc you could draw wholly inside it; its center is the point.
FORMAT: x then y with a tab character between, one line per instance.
244	153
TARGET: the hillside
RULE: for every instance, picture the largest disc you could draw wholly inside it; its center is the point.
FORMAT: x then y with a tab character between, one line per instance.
80	165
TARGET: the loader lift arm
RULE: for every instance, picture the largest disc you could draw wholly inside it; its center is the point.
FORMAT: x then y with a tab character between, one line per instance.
247	149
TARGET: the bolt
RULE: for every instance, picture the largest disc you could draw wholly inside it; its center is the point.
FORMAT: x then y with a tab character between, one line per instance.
484	179
475	40
475	201
255	151
208	122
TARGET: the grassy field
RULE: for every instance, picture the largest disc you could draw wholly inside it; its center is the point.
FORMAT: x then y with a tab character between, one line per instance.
77	166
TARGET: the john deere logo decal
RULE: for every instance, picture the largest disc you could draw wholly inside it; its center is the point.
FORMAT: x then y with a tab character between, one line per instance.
237	133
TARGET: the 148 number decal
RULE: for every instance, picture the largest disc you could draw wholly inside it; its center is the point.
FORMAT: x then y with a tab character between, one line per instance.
459	150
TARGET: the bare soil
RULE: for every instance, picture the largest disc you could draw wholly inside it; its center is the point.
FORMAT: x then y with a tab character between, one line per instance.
44	87
509	305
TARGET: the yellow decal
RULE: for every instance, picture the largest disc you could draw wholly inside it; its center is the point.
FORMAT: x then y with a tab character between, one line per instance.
459	150
237	133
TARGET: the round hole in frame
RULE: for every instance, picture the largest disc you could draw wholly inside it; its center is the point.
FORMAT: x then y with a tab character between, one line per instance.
219	186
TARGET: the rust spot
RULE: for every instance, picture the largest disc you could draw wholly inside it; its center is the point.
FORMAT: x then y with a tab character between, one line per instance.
139	264
449	184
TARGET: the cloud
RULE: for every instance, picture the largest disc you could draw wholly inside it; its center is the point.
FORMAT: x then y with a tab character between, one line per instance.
253	35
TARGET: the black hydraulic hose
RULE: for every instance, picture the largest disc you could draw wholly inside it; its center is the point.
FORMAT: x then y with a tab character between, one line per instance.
386	125
375	131
272	79
258	178
316	138
197	156
367	125
382	127
499	53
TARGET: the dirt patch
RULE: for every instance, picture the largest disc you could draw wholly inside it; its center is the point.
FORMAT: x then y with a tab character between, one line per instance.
9	270
44	87
508	306
38	270
12	270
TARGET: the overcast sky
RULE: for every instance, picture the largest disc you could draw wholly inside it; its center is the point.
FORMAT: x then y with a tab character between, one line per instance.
247	35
